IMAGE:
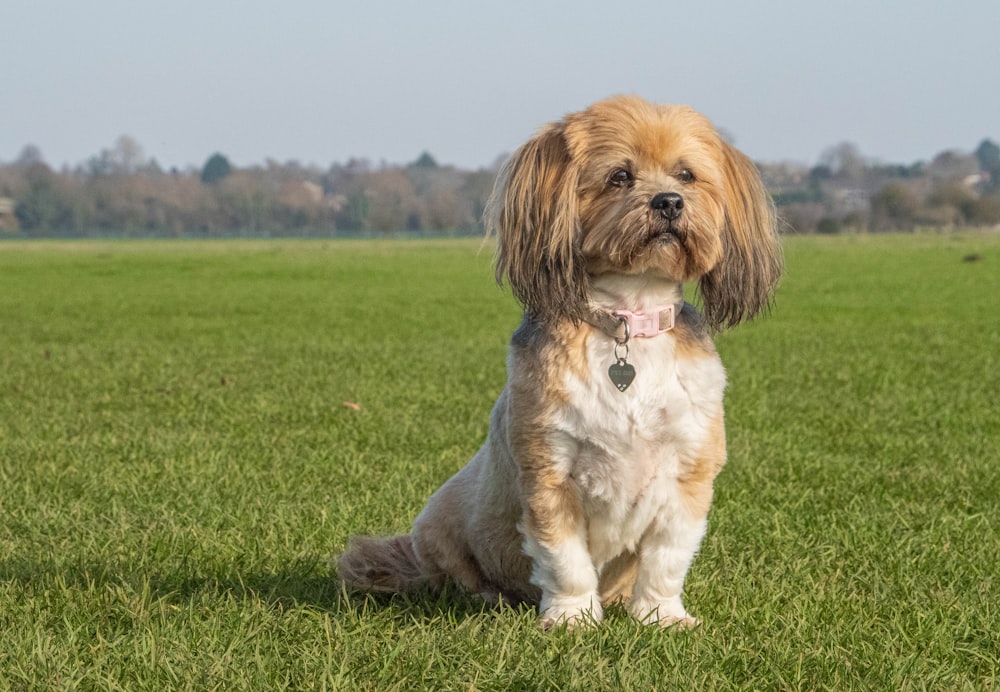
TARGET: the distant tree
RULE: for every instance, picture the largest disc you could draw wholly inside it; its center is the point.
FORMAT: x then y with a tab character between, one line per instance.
245	199
820	172
393	204
988	155
894	208
951	203
801	217
896	170
952	165
845	161
354	215
476	190
215	169
38	207
29	156
125	157
972	209
128	155
985	211
425	160
445	211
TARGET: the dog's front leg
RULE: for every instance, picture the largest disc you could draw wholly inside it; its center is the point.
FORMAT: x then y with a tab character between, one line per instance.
555	538
665	554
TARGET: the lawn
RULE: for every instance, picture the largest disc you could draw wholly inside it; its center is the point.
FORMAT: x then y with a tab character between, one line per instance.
189	431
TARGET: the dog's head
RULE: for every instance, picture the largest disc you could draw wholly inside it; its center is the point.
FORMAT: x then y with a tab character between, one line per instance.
630	187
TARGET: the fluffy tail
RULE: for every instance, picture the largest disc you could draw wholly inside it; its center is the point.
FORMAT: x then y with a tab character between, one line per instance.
380	564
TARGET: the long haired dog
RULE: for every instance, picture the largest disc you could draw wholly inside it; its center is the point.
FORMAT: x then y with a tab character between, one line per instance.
595	481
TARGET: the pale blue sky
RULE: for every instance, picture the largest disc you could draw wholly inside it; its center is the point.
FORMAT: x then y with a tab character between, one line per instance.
322	81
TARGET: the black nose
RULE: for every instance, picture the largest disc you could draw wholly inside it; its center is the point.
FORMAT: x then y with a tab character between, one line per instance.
669	204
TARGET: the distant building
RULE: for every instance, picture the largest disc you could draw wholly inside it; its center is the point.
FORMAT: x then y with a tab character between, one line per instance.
8	219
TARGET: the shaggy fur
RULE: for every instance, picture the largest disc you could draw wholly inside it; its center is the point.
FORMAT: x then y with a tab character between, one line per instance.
583	494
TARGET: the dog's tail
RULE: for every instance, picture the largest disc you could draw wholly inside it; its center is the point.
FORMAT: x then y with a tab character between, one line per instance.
388	565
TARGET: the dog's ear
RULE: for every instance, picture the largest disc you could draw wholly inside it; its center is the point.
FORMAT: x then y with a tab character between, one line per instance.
533	211
742	283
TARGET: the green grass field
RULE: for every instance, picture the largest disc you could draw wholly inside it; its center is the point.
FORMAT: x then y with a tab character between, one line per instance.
189	431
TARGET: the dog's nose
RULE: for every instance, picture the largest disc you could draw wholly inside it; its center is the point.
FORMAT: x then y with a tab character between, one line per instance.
669	204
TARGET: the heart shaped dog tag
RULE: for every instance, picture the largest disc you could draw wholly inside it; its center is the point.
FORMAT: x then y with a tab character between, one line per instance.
621	374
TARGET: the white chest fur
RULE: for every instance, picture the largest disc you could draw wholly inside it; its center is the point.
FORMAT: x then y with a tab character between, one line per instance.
627	449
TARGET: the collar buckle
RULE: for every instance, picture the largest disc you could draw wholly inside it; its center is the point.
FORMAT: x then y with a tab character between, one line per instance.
646	324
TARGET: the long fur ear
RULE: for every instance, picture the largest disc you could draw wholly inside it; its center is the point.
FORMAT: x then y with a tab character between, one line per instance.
742	283
533	211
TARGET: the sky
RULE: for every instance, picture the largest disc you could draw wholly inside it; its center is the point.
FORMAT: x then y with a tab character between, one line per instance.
322	81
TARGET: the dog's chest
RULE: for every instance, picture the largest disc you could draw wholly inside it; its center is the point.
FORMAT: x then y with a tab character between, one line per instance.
629	448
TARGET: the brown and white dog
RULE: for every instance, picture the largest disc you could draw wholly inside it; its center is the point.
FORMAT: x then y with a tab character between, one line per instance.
595	481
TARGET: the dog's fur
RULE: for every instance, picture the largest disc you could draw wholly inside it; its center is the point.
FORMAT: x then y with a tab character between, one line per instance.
583	494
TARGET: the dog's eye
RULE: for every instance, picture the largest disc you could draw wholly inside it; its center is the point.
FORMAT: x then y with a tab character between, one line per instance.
620	177
685	175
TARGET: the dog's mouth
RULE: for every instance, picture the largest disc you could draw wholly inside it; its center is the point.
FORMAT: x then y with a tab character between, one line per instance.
667	234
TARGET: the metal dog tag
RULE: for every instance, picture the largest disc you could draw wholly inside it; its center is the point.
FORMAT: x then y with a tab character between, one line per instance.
621	374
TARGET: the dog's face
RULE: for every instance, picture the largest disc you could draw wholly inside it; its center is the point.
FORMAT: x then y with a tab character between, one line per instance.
630	187
650	191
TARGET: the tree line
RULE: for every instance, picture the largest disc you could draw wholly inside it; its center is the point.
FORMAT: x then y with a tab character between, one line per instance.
847	192
122	192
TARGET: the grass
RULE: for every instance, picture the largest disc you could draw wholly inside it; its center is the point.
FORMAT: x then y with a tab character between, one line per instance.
189	431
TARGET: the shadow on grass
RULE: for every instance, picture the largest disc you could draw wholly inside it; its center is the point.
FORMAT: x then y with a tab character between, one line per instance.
305	583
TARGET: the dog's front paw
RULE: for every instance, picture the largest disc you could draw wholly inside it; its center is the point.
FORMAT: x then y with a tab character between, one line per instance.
571	615
662	614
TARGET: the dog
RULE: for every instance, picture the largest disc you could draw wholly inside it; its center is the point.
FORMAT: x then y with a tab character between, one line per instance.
595	480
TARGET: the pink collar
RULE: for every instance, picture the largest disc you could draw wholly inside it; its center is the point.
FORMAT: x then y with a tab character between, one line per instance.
622	325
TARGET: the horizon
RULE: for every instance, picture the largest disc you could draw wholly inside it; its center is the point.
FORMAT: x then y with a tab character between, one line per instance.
34	153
